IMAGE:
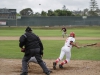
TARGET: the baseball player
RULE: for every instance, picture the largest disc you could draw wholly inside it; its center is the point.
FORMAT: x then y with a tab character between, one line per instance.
33	45
66	50
33	59
64	32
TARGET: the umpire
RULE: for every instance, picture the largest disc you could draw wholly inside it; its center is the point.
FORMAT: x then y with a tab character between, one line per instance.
32	46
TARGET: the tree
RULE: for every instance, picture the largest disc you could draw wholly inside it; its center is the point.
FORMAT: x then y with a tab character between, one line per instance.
37	14
63	12
18	14
93	8
26	12
50	13
43	13
58	12
85	12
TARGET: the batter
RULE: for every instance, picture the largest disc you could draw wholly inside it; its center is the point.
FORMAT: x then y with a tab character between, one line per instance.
66	50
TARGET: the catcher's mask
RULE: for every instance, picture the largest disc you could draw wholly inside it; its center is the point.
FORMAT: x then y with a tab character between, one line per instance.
72	34
28	29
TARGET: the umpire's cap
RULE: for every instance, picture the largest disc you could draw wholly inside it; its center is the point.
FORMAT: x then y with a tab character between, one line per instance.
28	29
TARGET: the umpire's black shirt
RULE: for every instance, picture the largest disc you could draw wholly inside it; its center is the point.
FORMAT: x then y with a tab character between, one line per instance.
30	41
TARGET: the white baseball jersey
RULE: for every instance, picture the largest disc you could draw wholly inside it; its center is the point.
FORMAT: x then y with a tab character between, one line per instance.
67	42
66	49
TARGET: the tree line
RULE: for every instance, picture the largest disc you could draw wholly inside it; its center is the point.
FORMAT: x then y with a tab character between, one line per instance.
93	11
58	12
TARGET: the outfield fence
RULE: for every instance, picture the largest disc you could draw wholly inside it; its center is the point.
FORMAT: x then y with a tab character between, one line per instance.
51	21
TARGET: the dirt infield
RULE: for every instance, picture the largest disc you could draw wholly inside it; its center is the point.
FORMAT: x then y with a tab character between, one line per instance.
75	67
52	38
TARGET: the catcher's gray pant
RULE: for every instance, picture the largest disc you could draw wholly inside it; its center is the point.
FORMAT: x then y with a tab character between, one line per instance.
33	59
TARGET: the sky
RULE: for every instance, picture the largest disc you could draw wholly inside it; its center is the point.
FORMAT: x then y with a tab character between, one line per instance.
45	5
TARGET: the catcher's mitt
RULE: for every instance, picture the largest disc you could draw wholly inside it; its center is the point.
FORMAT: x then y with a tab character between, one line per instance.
22	49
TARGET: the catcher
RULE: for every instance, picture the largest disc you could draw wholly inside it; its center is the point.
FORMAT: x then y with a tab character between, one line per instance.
32	59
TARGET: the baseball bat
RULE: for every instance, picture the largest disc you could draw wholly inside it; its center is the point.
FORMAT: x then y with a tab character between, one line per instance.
89	45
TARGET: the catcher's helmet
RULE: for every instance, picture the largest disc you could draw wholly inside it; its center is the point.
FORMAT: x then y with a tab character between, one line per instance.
28	29
72	34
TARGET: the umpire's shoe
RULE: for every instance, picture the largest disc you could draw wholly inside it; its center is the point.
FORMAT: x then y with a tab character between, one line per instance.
24	73
54	65
48	73
60	66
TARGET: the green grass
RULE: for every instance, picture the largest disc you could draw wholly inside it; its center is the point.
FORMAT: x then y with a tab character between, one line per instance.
88	53
10	49
80	32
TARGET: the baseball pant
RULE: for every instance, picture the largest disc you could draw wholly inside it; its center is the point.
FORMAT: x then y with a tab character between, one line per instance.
65	51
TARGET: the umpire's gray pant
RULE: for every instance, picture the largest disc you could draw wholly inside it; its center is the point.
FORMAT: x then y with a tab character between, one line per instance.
36	53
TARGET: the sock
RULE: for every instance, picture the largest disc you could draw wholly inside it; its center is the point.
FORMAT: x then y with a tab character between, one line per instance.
64	62
57	60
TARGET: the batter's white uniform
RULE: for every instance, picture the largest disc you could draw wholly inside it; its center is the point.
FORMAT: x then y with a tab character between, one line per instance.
66	49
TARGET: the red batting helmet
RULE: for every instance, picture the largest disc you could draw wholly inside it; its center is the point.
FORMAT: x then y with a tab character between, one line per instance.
72	34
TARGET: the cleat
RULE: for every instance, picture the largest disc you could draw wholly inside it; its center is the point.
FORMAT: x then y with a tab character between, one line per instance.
48	73
54	65
24	73
60	66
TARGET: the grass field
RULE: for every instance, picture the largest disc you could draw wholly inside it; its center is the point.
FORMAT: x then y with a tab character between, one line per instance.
80	32
10	49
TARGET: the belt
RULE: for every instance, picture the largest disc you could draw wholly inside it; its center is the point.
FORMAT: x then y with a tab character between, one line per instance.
68	46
